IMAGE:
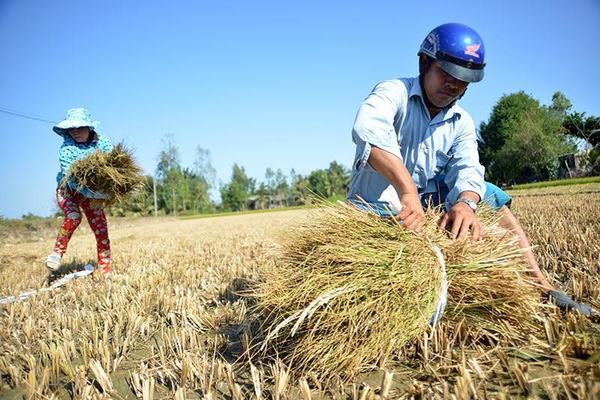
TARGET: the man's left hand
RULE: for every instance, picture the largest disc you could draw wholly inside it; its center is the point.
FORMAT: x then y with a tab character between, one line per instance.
460	220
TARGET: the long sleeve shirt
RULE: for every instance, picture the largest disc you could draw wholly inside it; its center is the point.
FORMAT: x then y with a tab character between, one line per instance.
394	118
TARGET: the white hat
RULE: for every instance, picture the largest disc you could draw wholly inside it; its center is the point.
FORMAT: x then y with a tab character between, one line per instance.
76	118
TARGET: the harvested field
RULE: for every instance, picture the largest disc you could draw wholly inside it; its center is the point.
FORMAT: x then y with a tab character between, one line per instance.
171	324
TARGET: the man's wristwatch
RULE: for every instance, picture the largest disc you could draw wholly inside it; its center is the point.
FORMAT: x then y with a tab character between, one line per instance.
472	205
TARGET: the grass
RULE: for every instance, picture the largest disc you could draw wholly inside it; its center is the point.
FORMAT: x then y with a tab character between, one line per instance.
19	230
561	182
244	212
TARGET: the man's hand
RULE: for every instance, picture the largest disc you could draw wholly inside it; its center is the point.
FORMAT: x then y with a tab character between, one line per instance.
412	214
393	169
461	219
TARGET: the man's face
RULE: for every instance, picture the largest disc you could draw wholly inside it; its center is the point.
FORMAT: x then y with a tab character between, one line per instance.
442	88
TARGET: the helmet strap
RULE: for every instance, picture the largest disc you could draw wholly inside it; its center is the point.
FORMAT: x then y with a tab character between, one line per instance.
428	102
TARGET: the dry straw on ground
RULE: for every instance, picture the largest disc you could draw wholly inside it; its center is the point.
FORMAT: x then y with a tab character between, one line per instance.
164	327
348	288
114	174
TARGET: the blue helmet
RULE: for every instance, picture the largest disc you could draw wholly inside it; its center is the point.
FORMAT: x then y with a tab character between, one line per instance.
458	48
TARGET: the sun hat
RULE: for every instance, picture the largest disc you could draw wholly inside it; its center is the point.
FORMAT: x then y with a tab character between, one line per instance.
76	118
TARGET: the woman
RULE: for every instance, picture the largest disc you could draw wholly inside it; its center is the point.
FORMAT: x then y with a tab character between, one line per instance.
80	140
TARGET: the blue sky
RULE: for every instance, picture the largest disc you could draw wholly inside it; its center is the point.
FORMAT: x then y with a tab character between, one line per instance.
264	84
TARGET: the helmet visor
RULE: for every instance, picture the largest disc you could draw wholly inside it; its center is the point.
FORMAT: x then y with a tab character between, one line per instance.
462	73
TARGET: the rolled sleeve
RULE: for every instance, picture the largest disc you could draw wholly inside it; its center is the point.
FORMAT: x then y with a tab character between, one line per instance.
464	172
374	124
363	151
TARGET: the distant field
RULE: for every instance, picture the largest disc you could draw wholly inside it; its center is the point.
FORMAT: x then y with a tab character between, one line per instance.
561	182
162	328
246	212
581	188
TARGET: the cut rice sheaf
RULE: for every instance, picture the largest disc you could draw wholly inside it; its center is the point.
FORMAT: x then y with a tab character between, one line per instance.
114	174
348	288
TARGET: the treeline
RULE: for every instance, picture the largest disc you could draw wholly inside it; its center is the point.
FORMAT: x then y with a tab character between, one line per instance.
525	141
179	190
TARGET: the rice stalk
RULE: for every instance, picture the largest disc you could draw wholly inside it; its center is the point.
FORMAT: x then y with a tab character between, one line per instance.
347	288
101	376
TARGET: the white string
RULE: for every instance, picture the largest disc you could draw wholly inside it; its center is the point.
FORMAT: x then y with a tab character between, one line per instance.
439	310
88	269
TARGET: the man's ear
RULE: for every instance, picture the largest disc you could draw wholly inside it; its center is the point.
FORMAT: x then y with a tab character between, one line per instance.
424	63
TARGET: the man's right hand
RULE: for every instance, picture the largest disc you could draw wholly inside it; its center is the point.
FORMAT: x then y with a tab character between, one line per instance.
412	214
393	169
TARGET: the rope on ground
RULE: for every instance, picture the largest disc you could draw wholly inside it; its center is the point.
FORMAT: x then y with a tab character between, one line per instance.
87	270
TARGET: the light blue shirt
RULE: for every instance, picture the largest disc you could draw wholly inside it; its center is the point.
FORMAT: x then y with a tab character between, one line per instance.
394	118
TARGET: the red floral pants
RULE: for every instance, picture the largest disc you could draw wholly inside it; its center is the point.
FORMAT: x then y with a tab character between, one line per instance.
70	203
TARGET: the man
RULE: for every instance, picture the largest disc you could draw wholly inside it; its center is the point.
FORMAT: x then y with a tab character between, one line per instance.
415	146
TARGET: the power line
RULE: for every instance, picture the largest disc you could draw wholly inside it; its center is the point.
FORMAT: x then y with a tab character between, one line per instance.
22	115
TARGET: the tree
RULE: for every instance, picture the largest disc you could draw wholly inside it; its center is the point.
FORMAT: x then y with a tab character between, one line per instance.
319	183
326	182
168	174
339	178
183	188
586	129
561	105
235	194
239	175
204	180
168	158
262	196
270	181
523	139
233	197
578	125
280	183
505	115
276	185
203	166
299	187
141	203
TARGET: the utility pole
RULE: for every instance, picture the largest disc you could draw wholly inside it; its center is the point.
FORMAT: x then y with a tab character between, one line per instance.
154	194
174	204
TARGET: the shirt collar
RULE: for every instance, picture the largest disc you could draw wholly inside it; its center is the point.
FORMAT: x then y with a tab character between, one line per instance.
448	112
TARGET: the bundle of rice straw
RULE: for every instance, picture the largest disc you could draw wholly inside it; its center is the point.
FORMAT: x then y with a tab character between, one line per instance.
347	288
114	174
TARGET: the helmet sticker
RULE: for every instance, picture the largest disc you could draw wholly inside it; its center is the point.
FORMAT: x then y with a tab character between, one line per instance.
431	43
471	50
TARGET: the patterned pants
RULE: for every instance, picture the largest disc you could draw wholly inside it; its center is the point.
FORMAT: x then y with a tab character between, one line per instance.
70	203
